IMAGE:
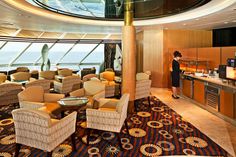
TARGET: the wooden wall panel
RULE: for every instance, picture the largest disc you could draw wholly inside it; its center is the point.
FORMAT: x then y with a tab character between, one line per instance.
139	50
212	54
187	38
153	55
227	103
199	92
158	44
182	40
227	52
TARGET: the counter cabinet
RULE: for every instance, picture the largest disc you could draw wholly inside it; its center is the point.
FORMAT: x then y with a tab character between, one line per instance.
196	89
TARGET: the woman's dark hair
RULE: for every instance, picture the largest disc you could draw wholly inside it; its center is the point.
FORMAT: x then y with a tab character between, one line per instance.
177	54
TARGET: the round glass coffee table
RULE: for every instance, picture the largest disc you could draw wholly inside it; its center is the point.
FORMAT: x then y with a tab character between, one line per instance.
72	104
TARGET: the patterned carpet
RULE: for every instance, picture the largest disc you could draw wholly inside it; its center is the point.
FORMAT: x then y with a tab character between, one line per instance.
156	132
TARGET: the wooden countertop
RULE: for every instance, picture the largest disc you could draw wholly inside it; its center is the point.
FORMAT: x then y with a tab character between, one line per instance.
216	81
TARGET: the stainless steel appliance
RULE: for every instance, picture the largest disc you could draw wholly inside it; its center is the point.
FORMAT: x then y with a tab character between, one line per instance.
212	96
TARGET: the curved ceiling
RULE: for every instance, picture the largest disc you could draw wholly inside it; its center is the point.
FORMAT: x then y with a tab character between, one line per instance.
21	14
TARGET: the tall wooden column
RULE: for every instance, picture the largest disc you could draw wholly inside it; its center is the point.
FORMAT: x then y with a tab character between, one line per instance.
129	54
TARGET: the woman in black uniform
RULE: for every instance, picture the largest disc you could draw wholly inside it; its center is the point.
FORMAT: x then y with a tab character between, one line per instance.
175	73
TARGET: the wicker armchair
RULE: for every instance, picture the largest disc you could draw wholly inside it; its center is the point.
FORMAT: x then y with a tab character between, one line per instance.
22	69
93	90
67	84
3	78
108	78
21	76
110	116
34	98
8	93
36	129
143	87
89	77
48	75
44	83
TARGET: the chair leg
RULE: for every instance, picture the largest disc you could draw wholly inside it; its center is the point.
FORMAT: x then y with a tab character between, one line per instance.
119	140
135	107
126	126
149	102
17	149
73	142
88	135
49	154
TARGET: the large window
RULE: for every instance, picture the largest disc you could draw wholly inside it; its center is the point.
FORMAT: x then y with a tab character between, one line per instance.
31	54
10	51
78	53
69	54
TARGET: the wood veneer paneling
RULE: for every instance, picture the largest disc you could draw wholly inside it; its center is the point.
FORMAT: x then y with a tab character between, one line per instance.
153	56
227	52
199	92
212	54
227	103
186	88
183	41
139	50
156	46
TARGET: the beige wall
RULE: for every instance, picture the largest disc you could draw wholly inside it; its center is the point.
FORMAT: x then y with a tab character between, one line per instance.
157	42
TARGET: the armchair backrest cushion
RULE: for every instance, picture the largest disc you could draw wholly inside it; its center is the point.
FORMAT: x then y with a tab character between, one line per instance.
88	77
142	76
93	87
20	76
31	117
33	94
3	77
43	82
65	72
108	75
122	104
8	93
22	69
74	82
49	75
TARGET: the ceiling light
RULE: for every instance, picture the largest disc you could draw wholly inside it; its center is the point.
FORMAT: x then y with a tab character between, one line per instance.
226	22
184	24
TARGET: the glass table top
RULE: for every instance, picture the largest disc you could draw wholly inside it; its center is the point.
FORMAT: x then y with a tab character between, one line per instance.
114	9
73	101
